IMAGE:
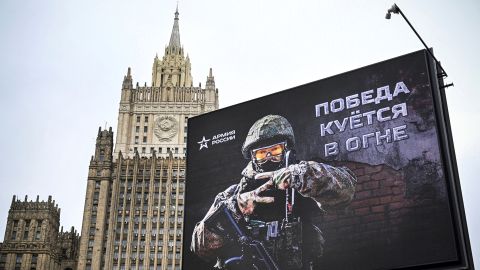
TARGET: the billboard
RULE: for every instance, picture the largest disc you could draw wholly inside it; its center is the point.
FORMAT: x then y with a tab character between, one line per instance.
355	171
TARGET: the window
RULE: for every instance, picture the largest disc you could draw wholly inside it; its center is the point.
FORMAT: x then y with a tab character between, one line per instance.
176	150
145	129
152	149
26	229
146	119
137	129
102	155
168	150
38	234
136	139
135	149
160	150
14	235
144	149
18	259
138	119
144	139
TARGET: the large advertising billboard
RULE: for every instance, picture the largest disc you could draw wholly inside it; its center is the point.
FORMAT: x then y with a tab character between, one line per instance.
355	171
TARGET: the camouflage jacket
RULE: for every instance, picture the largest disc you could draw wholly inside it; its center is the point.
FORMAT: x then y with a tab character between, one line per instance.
318	184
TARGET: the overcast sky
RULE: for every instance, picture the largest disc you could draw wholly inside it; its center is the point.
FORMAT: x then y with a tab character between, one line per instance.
62	65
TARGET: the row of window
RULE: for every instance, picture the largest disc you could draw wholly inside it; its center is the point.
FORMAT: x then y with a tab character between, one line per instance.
146	119
160	231
144	213
143	237
138	195
19	259
146	191
141	248
139	118
174	150
142	255
137	139
142	244
146	184
137	129
147	172
16	230
140	267
144	218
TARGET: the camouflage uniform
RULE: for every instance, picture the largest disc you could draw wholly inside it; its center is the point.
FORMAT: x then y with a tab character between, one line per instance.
316	185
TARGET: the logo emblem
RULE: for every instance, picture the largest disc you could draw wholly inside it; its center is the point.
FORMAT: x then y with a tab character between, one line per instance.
203	143
165	128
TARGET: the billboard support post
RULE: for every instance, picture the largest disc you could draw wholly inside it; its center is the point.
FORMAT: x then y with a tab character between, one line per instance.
395	9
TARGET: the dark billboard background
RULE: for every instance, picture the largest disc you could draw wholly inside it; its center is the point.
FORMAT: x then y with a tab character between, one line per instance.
400	215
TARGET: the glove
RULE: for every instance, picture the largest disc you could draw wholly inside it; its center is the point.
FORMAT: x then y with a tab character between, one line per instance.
290	177
248	200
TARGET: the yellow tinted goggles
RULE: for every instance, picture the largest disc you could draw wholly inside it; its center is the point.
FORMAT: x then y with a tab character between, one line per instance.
269	151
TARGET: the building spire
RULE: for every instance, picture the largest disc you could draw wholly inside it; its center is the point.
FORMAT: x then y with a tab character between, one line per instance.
175	37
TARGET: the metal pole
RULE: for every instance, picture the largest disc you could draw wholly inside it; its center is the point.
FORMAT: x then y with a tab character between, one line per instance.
396	9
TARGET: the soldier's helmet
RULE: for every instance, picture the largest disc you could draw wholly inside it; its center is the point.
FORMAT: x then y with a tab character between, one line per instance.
267	130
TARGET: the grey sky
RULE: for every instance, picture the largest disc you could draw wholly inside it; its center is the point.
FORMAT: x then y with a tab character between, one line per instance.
63	64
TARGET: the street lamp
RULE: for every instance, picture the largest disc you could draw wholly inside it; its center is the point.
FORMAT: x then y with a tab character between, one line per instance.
396	10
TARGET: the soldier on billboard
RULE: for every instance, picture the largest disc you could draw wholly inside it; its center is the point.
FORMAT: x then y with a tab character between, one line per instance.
265	221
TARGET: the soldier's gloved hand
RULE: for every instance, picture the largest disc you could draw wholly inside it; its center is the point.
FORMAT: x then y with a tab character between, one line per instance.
290	177
248	200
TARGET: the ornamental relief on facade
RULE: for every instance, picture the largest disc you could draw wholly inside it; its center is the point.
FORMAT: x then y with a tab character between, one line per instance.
165	128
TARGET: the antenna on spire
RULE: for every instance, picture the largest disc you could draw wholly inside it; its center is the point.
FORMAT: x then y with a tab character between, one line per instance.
105	125
176	11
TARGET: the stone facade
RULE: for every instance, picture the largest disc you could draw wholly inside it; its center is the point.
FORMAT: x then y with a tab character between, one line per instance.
32	238
133	214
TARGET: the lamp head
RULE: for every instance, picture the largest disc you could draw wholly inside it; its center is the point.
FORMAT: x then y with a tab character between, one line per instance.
393	9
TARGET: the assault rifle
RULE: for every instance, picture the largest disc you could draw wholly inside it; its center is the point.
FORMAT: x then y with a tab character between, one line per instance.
254	255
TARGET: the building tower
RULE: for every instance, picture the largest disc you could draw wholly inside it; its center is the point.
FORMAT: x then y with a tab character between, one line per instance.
133	216
32	239
97	203
155	117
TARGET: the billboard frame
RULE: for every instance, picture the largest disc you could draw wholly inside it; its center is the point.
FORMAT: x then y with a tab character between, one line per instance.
447	153
451	168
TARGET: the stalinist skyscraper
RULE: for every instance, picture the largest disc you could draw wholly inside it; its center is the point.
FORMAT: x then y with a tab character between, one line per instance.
133	215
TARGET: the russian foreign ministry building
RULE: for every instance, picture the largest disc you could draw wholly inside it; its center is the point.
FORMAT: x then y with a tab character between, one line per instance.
134	203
